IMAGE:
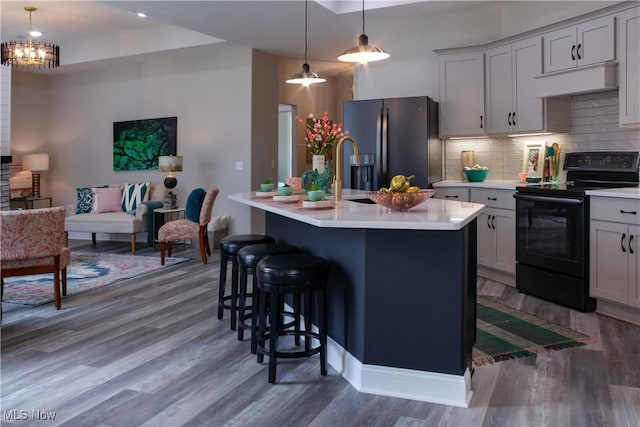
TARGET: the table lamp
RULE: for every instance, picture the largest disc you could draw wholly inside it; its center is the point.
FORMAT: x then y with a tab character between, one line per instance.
35	163
170	164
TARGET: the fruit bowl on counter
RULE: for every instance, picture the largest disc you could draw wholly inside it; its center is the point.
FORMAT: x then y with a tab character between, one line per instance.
400	201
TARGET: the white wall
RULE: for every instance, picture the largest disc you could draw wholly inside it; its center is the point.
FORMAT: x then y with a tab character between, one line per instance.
209	94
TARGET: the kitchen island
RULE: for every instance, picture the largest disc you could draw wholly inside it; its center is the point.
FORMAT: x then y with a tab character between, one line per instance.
402	291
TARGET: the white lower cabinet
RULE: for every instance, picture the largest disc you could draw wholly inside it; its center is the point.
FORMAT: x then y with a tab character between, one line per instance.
615	263
457	194
496	229
615	250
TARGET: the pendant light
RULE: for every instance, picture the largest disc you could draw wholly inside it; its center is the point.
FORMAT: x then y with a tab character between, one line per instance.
363	53
306	77
30	54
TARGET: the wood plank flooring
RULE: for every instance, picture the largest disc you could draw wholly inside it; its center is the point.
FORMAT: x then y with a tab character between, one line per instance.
151	352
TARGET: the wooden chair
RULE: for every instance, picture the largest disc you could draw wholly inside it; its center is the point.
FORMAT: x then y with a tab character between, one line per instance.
32	242
188	228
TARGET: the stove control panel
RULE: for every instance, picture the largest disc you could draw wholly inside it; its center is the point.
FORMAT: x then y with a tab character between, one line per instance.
619	161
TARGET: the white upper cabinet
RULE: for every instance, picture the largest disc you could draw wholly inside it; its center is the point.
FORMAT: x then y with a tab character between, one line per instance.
512	105
462	94
587	43
511	102
629	66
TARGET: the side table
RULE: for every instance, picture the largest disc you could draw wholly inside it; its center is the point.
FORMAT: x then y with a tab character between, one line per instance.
168	215
29	201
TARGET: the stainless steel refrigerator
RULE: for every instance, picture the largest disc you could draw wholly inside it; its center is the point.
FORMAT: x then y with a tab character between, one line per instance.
401	134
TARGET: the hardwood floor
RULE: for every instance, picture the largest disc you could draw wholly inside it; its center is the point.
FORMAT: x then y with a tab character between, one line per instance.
150	351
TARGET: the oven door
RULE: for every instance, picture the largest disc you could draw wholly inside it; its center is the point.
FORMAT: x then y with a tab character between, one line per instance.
551	233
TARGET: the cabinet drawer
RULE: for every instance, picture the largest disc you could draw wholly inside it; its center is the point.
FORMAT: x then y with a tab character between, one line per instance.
502	199
453	193
615	209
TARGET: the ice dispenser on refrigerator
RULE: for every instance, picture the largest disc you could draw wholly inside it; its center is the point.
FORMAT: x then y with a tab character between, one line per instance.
362	176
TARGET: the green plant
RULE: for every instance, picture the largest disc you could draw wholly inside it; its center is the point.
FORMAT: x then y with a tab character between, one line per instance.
286	185
315	187
267	181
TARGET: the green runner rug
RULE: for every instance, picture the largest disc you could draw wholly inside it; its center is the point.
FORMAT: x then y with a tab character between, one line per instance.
505	333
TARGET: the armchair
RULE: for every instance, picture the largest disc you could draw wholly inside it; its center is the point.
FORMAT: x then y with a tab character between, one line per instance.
194	226
32	242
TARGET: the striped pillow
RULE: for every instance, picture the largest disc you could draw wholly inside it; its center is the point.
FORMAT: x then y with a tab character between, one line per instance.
133	195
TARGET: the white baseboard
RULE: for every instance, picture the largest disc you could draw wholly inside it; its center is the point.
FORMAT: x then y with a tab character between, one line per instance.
497	275
446	389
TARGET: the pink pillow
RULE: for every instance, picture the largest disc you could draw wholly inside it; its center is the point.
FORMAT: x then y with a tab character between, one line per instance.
108	200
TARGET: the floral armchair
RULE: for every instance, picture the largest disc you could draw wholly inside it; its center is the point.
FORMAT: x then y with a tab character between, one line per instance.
194	226
32	242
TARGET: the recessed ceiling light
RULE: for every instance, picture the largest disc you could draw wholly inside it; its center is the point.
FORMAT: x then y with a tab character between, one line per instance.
35	33
142	15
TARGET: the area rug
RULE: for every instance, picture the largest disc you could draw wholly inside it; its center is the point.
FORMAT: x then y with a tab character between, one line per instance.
504	333
87	271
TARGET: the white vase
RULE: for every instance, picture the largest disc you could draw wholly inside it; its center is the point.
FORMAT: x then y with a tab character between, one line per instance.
317	163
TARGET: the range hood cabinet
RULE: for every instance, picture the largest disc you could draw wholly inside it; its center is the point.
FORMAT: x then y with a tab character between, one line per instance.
591	78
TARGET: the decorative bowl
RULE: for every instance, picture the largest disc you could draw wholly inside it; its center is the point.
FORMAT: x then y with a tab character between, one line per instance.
266	187
315	195
285	191
476	175
400	201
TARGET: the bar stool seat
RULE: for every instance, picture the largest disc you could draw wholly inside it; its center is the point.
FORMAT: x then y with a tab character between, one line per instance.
229	247
297	275
248	258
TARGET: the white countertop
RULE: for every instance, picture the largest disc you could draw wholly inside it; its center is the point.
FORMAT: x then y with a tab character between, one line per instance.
496	184
626	193
434	214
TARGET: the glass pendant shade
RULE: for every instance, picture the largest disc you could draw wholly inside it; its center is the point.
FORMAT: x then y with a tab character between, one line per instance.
306	77
363	53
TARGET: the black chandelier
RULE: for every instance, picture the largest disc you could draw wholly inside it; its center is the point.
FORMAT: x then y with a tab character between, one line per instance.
27	54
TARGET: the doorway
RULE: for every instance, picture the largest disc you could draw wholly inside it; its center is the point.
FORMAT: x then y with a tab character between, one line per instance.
287	153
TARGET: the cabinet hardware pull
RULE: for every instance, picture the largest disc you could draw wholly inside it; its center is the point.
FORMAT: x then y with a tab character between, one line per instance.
622	242
573	51
493	222
578	51
451	197
628	212
481	125
489	222
492	198
509	119
631	243
513	118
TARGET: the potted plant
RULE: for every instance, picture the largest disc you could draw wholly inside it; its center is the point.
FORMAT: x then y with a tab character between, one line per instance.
267	185
315	194
285	190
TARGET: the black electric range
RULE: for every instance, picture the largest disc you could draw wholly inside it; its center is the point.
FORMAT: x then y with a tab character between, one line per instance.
552	226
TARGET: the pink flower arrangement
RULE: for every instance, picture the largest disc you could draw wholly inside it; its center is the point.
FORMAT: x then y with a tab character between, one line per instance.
321	133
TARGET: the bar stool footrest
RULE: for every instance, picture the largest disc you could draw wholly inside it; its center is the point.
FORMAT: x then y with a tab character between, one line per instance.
290	354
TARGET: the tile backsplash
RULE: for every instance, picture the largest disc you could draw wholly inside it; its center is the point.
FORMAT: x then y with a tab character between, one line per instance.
594	127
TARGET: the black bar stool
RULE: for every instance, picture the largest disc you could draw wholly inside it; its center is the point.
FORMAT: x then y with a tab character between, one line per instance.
298	275
229	247
248	258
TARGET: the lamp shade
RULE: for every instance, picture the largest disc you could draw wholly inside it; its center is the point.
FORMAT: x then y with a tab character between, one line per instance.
170	163
35	162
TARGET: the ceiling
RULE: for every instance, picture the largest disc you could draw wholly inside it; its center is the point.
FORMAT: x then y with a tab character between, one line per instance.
90	32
